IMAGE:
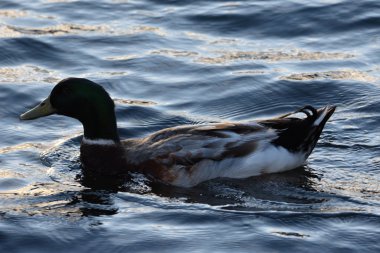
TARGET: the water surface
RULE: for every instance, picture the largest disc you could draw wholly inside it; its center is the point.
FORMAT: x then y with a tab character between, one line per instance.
169	63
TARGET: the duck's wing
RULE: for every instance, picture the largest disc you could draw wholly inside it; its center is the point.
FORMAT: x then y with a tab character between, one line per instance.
188	145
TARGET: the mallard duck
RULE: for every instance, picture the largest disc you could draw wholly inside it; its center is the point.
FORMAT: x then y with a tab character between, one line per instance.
184	155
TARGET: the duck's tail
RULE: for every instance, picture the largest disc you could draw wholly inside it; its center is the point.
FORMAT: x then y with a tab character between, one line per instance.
300	134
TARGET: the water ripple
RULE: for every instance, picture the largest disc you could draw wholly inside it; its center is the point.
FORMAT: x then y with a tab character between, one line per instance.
169	63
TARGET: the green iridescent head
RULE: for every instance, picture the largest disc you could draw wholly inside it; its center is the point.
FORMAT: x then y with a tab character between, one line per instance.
83	100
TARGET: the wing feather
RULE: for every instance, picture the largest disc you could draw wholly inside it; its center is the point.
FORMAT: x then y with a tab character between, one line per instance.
186	146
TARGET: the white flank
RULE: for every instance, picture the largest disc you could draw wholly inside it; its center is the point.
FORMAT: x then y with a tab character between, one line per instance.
269	159
320	118
105	142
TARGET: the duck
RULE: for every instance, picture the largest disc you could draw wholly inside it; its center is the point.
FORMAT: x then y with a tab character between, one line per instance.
184	155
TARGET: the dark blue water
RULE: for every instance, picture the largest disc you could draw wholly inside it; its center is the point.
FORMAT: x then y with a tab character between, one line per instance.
169	63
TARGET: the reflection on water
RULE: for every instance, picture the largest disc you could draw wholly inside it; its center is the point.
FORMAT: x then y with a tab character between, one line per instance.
341	74
27	74
275	56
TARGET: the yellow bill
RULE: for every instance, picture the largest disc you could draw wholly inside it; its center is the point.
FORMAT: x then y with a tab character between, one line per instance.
43	109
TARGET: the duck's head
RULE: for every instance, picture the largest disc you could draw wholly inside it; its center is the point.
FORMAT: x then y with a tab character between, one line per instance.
83	100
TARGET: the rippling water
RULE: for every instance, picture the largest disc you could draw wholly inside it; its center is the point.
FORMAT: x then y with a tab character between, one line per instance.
168	63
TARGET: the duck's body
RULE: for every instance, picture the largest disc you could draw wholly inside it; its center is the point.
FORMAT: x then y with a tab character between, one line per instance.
188	155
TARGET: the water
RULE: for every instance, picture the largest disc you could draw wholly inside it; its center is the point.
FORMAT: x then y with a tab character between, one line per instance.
169	63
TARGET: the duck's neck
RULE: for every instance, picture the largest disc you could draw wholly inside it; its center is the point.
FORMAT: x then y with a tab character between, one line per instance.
100	127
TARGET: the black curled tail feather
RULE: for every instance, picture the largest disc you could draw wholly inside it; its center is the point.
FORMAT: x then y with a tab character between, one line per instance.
300	135
310	112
